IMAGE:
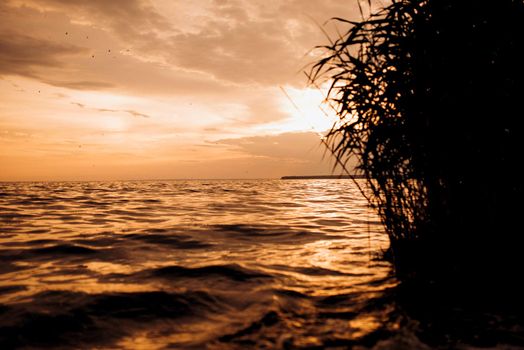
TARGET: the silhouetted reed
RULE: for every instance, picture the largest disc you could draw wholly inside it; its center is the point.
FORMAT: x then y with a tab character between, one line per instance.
429	94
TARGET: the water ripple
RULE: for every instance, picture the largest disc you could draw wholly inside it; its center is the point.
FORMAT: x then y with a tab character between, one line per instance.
191	264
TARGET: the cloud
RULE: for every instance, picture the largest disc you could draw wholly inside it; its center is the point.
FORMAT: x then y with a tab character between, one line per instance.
136	114
298	146
78	104
80	85
237	48
67	43
290	153
236	41
24	55
110	110
126	17
250	42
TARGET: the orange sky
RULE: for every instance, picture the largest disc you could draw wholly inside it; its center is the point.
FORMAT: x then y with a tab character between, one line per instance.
137	89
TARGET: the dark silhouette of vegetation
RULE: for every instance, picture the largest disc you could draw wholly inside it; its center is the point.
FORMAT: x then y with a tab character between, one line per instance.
429	95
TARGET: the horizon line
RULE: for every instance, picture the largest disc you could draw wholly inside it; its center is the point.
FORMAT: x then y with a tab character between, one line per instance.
173	179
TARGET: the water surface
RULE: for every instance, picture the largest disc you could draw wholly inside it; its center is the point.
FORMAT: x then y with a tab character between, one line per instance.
191	264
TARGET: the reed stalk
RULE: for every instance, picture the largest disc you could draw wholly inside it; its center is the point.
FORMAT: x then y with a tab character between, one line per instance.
428	95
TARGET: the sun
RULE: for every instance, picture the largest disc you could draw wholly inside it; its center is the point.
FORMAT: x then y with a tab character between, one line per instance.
307	109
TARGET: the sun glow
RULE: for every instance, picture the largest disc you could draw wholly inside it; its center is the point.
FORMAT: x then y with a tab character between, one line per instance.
307	109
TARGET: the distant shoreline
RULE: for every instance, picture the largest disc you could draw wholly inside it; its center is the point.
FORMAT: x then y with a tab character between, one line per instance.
322	177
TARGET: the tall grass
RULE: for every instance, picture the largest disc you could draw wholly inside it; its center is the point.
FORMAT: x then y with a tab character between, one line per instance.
429	97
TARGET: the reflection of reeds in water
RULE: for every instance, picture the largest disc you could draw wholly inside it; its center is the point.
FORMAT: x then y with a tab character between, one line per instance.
428	93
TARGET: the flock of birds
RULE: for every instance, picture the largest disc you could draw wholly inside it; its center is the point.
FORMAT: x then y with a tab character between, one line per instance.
93	56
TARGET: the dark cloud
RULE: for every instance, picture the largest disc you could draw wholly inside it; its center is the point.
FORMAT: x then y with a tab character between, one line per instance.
29	51
24	55
41	39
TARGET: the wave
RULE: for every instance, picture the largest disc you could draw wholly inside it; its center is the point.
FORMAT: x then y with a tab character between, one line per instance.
271	318
270	233
317	271
62	249
174	240
232	272
74	318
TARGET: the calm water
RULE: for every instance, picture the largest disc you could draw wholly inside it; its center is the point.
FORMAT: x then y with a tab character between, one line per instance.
194	264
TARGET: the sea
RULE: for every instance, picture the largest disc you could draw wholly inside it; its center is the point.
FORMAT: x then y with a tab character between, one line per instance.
196	264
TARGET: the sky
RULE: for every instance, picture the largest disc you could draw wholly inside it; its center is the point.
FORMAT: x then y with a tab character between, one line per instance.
162	89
